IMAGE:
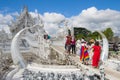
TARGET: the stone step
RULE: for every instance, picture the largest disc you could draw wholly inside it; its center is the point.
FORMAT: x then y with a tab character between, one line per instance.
52	66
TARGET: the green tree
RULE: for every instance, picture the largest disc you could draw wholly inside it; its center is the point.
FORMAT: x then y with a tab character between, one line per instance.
81	32
79	36
95	35
108	33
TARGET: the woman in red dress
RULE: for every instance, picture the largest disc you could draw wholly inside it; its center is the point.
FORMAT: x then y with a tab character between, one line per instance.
96	54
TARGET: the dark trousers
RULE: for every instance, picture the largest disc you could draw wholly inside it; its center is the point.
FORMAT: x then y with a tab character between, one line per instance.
73	49
65	46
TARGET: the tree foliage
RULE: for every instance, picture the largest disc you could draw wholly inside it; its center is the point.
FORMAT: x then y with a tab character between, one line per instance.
95	35
108	33
87	35
81	33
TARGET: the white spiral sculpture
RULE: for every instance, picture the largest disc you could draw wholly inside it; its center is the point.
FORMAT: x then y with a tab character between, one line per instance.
15	51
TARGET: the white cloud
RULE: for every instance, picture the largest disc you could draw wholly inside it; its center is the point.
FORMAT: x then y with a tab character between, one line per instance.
51	28
35	14
53	17
91	18
15	14
51	20
95	19
4	21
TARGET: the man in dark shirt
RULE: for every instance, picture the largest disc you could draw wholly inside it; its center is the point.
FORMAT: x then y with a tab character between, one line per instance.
115	48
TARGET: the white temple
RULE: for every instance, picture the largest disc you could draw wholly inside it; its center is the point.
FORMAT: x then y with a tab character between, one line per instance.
51	60
24	20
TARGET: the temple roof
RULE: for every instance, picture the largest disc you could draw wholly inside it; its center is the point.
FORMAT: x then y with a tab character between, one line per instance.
24	20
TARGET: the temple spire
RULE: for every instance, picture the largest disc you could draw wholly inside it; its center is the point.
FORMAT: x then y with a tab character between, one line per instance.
25	9
24	20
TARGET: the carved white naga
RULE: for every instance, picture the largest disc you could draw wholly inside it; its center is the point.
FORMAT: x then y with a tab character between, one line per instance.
105	47
39	44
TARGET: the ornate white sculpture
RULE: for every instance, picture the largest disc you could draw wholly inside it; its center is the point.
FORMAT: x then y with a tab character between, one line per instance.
41	44
15	52
105	47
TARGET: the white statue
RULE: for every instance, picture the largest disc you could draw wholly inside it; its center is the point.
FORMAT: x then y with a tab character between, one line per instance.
41	44
105	47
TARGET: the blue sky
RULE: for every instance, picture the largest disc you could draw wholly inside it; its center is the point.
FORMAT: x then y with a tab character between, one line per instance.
66	7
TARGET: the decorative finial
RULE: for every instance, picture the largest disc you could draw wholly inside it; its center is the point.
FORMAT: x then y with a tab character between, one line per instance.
26	8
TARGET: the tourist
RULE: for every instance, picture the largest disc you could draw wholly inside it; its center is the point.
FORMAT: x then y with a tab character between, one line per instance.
90	49
68	43
115	48
65	43
96	54
45	36
48	37
82	51
78	46
84	56
73	45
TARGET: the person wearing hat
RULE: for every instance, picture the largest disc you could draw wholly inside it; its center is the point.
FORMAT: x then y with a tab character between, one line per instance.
92	41
84	56
78	46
